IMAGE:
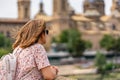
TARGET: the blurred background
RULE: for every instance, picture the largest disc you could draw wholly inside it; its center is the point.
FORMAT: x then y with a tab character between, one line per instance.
83	38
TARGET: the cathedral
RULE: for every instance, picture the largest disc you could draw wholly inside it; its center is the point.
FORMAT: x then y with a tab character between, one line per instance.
92	23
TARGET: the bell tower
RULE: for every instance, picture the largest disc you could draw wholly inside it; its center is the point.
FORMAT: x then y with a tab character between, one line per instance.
62	12
96	5
115	9
99	4
60	7
23	9
117	4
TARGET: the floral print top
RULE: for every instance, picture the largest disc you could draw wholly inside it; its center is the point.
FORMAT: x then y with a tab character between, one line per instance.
29	62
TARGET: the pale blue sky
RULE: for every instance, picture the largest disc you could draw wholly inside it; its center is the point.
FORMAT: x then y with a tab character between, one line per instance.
8	8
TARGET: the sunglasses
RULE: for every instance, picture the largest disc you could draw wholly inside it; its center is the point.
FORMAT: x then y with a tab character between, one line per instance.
46	32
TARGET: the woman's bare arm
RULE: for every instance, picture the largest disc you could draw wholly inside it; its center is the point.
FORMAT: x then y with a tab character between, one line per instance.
49	73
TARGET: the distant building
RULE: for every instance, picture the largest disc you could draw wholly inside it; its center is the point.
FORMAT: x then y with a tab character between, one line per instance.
93	23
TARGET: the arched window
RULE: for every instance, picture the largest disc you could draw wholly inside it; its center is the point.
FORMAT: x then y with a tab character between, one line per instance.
113	27
8	34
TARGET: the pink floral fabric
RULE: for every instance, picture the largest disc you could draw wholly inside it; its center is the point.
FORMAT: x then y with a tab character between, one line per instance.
29	62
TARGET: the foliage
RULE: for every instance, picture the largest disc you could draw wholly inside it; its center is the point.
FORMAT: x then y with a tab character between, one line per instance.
54	40
116	46
63	36
108	42
76	48
100	62
72	38
103	67
4	51
110	66
4	41
75	44
5	45
88	44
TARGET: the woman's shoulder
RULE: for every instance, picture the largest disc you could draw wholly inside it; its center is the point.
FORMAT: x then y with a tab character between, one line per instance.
37	46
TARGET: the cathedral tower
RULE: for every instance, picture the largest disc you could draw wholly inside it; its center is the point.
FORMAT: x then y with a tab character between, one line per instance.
117	4
60	7
115	9
114	5
94	7
62	12
41	14
41	10
100	6
23	9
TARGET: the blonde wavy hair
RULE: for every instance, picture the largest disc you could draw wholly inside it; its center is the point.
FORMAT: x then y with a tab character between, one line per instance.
29	34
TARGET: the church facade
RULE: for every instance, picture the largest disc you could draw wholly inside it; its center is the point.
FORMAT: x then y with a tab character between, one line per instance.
93	23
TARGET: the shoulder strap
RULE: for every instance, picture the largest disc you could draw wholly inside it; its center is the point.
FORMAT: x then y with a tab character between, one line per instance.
16	51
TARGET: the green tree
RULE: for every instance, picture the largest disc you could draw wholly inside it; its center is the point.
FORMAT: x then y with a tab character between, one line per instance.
2	40
100	62
108	42
76	48
5	45
72	38
4	51
63	37
104	67
88	44
116	46
5	42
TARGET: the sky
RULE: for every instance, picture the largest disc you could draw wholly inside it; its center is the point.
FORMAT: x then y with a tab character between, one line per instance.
8	8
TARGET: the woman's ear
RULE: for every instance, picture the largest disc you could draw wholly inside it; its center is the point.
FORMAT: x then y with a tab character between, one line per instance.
43	35
42	39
